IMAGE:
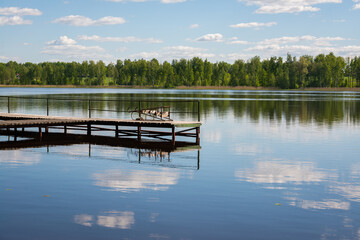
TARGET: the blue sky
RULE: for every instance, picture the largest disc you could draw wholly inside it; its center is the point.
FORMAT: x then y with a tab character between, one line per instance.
218	30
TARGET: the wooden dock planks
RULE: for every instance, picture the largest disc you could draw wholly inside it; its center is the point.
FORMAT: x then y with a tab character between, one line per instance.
13	119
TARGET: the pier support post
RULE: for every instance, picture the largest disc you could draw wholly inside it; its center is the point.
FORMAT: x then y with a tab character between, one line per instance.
65	129
47	107
89	108
139	155
139	109
40	134
198	159
139	133
198	135
173	135
15	134
89	129
117	131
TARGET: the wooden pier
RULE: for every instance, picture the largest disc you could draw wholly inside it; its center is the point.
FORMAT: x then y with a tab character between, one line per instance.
165	131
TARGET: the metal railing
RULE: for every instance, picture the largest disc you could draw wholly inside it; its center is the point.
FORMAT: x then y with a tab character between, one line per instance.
139	104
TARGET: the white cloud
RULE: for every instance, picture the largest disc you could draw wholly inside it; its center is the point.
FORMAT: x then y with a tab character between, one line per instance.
16	15
175	52
68	48
15	11
109	20
121	49
296	46
187	52
15	20
76	51
63	40
253	25
287	6
162	1
212	37
146	55
172	1
308	38
298	50
239	42
7	59
339	20
193	26
118	39
235	40
77	20
356	6
125	0
72	50
236	56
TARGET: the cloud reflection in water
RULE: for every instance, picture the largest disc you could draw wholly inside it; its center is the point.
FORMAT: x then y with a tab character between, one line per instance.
111	219
17	158
321	205
283	172
297	173
84	219
349	191
136	180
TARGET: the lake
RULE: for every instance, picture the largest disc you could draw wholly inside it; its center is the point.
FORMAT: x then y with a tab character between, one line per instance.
272	165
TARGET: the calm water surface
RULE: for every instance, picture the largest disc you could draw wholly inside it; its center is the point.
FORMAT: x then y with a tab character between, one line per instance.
273	165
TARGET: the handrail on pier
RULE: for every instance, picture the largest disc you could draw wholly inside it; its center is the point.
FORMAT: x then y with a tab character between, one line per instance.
90	101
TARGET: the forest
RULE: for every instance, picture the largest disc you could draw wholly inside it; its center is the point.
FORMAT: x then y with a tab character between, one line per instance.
327	71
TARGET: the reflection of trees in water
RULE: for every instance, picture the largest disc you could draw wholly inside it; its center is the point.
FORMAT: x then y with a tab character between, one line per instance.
322	112
319	108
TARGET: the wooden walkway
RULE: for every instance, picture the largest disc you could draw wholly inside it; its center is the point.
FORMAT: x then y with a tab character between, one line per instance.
89	125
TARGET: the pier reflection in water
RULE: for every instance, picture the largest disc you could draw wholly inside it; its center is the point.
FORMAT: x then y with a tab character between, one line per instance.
158	153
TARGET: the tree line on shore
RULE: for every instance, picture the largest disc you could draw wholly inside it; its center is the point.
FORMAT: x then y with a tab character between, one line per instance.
290	73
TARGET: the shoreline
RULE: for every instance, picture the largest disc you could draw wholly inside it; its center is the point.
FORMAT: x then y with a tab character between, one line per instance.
339	89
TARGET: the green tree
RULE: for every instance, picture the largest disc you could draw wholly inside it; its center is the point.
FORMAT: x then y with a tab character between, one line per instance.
153	72
207	73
